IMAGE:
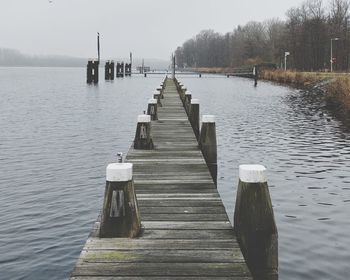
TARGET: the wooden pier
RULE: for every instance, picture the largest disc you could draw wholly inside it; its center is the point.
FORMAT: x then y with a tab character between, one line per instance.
186	233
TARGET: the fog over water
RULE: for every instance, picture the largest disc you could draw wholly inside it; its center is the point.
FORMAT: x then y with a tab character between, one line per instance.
150	29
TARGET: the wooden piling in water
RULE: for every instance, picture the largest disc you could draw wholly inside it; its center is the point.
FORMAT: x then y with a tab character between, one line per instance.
89	72
187	101
207	143
254	223
152	109
120	70
120	212
156	96
143	136
127	69
107	70
111	70
92	72
194	117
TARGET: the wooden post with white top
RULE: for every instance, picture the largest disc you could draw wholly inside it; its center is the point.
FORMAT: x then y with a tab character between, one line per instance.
152	109
207	143
254	223
187	101
120	212
156	95
143	137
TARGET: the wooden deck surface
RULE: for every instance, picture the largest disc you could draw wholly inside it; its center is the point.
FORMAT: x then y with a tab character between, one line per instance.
186	232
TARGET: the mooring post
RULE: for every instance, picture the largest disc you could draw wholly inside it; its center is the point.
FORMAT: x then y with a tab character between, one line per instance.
156	96
160	89
111	70
254	223
107	70
95	66
143	136
256	75
187	102
194	116
122	69
207	143
120	213
89	72
152	109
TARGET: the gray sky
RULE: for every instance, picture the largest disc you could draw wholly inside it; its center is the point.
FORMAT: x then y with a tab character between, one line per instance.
150	29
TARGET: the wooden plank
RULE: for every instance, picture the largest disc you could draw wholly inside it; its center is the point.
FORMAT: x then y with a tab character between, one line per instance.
161	269
161	256
161	244
160	278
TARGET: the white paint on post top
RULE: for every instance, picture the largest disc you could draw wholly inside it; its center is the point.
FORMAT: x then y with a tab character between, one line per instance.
194	101
188	93
252	173
152	101
208	119
143	118
119	172
156	92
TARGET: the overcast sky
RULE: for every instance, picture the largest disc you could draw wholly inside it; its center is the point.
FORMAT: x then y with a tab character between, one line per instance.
150	29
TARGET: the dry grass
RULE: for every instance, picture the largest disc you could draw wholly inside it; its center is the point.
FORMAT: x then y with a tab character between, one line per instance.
292	77
338	89
338	92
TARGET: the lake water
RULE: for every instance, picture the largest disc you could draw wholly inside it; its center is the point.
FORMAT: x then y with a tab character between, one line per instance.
58	134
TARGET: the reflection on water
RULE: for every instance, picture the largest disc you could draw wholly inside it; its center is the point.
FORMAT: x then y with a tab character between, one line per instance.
58	134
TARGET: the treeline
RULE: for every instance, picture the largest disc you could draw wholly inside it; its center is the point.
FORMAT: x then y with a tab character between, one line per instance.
306	34
11	57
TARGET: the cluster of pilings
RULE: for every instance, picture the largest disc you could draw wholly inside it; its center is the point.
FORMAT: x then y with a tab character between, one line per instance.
92	71
109	70
119	70
123	69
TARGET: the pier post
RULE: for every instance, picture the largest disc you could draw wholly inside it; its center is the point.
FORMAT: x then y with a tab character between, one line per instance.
256	75
120	69
156	95
107	70
120	213
143	136
89	72
95	69
207	143
111	70
194	116
187	102
254	223
160	89
152	109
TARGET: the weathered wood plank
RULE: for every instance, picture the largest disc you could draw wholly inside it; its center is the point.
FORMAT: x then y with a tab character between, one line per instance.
161	244
161	269
161	278
161	256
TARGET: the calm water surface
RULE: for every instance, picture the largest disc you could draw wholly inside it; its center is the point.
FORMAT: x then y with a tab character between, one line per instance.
58	134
